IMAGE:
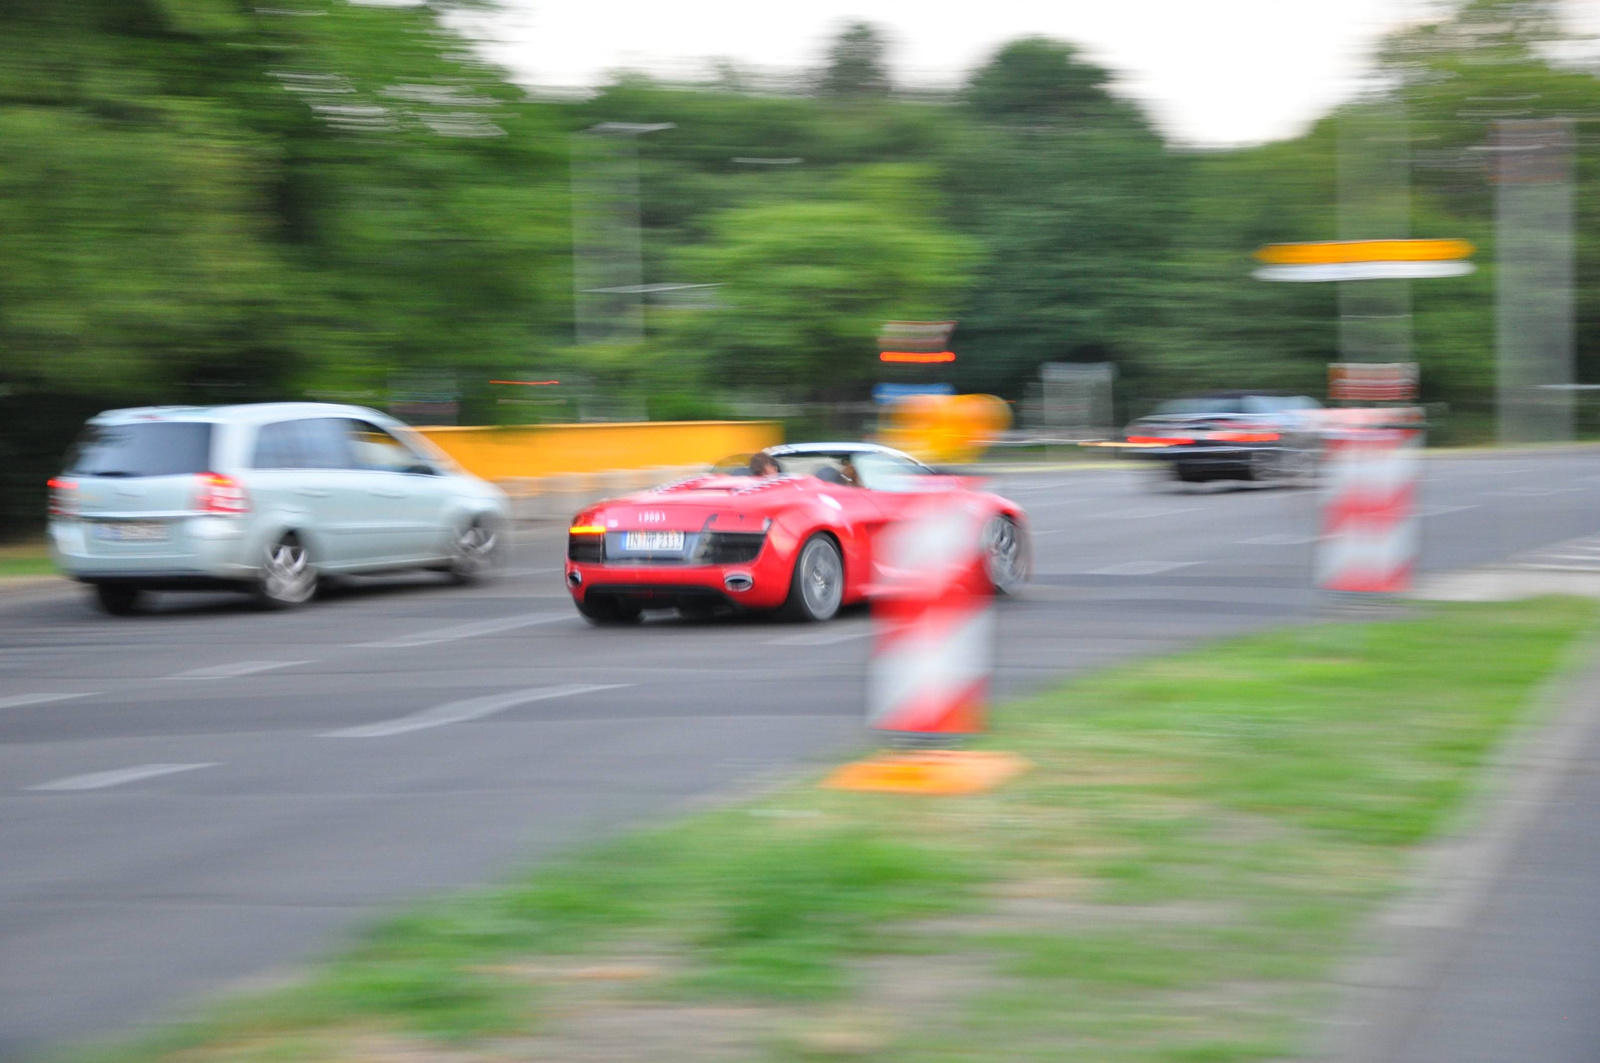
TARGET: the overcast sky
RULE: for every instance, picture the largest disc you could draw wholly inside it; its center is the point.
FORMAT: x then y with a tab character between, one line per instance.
1209	72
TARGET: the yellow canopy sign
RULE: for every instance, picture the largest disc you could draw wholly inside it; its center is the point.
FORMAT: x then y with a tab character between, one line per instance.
1364	260
1329	252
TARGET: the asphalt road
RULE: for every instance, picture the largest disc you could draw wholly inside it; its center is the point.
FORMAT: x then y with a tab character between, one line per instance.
198	799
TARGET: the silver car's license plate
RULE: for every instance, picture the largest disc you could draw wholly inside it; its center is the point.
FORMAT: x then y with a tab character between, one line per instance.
132	531
653	542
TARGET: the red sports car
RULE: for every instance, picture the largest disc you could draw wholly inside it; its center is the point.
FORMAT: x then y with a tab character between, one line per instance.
790	531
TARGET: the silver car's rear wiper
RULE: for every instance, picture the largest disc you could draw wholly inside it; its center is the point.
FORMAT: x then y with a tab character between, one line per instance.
113	472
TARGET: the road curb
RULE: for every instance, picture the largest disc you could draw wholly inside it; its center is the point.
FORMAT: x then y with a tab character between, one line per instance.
1506	583
17	584
1411	941
1511	450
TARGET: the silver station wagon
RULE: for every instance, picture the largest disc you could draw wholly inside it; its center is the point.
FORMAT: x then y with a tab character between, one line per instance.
265	499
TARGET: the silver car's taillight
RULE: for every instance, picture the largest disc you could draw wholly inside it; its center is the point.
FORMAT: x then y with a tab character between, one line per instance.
221	495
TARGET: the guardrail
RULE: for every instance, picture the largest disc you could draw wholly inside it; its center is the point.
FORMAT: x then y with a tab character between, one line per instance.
553	470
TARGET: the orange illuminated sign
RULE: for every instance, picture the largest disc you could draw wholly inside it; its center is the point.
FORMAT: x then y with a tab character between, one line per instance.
917	357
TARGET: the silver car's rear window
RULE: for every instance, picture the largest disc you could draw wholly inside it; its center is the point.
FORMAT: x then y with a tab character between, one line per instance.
143	448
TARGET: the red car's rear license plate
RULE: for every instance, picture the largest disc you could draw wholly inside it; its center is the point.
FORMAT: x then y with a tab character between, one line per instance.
653	542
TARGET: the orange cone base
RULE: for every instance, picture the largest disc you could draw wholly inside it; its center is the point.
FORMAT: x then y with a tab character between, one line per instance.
935	771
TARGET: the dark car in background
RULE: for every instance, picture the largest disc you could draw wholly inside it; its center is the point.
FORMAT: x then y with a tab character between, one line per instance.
1231	435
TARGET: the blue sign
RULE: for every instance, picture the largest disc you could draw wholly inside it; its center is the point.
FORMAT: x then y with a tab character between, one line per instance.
887	393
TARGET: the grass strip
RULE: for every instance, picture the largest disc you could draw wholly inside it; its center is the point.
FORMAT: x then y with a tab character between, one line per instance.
1174	882
25	559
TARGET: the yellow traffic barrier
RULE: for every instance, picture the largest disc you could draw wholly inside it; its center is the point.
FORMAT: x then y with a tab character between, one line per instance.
944	428
536	451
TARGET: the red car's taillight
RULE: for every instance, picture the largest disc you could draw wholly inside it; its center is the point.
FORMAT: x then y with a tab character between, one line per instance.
63	497
221	494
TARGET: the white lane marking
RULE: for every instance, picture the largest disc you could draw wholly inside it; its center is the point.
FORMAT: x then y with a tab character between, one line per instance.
470	709
530	571
1280	539
1533	492
821	638
18	700
1288	539
1130	514
1063	502
1139	568
234	670
1134	514
1063	486
102	779
462	631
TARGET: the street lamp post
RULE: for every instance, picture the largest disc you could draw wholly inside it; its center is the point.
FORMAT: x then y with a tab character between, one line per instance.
607	258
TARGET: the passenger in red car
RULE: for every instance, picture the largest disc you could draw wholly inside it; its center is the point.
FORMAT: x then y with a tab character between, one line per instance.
764	464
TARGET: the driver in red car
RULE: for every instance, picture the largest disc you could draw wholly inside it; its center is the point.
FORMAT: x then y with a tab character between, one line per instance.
764	464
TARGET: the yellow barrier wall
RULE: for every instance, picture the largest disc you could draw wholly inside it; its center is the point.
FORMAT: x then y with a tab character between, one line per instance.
509	452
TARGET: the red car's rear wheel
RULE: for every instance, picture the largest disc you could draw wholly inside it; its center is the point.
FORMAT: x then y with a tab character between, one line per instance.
816	588
1005	554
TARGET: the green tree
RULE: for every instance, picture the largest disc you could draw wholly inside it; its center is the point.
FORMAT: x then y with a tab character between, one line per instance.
1039	79
1074	200
856	65
204	201
807	285
1489	60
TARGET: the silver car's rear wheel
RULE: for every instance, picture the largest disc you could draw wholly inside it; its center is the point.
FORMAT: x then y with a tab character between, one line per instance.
118	599
288	577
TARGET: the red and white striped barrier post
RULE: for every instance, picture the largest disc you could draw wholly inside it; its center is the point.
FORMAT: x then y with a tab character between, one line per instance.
932	656
1370	537
933	611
